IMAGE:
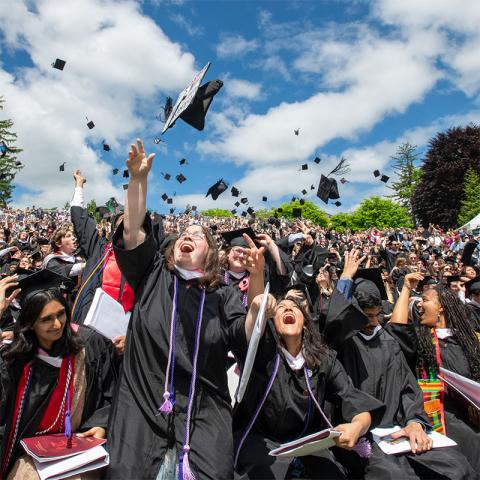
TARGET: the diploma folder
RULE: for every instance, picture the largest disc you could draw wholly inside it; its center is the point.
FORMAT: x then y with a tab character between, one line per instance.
308	445
253	345
107	316
466	388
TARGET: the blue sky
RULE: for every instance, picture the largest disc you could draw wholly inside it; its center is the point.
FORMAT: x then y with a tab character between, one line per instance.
357	77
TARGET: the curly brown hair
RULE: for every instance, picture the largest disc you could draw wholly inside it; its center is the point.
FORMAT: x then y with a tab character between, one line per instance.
211	279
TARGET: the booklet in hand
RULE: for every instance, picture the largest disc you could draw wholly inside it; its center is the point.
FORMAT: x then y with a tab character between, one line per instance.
308	445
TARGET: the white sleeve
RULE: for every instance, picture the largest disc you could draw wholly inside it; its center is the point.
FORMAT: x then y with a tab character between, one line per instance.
293	237
77	200
76	270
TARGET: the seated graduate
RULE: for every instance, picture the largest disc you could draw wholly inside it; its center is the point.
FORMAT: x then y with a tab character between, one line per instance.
53	379
173	405
374	361
293	376
473	305
236	273
445	338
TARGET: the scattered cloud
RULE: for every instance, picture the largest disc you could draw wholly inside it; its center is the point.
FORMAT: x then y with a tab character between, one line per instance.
238	88
235	46
183	22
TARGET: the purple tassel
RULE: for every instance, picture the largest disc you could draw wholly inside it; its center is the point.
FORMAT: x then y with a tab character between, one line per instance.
167	405
363	448
186	472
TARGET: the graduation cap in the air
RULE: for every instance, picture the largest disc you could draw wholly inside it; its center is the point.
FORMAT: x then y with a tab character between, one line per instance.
317	160
194	101
244	200
106	147
90	124
194	208
302	201
384	178
166	176
280	209
183	161
234	238
337	203
164	197
250	211
376	173
372	275
343	180
296	132
172	210
42	280
125	186
264	199
237	204
217	189
59	64
180	178
156	141
304	192
169	201
115	171
235	192
62	167
244	214
297	213
293	198
304	166
312	187
125	173
327	189
233	212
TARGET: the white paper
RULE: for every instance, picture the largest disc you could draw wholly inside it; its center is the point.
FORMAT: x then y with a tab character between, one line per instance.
92	459
107	316
466	387
390	446
308	445
233	379
253	345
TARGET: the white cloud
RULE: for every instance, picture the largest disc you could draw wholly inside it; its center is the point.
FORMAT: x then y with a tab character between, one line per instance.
235	46
238	88
117	59
182	21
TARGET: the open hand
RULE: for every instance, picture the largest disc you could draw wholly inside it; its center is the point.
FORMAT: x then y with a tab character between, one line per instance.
138	163
418	439
411	280
79	179
5	284
351	264
253	259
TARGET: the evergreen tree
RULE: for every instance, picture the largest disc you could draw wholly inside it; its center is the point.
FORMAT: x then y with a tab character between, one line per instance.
408	175
471	197
9	165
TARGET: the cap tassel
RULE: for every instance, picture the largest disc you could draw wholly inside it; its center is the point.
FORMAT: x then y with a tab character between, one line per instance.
186	472
167	405
363	448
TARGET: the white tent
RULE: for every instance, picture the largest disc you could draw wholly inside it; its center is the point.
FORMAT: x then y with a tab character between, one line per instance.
473	223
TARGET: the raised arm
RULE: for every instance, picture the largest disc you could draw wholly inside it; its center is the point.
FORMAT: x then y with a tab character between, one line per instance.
139	165
401	310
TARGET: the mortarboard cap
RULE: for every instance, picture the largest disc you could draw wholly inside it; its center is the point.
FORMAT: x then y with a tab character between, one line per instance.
90	125
18	163
233	211
250	210
337	203
373	275
384	179
305	166
169	201
125	173
317	160
237	204
376	173
343	180
427	280
217	189
167	176
280	209
180	178
172	210
244	200
164	197
264	199
454	278
312	187
115	171
327	189
302	201
473	286
62	167
194	208
125	186
234	238
244	214
156	141
297	213
235	192
106	147
59	64
304	192
183	161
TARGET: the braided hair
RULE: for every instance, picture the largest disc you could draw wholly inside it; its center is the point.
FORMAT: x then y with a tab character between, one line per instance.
458	321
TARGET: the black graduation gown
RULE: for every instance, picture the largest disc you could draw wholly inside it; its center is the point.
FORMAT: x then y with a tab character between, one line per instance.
474	312
138	434
101	375
453	358
288	413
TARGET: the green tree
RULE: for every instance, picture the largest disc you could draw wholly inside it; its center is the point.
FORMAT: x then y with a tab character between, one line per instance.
470	205
408	175
216	212
380	213
340	222
9	165
92	211
310	211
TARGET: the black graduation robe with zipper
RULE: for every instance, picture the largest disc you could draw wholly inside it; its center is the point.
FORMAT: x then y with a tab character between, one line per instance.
101	366
289	413
138	435
379	368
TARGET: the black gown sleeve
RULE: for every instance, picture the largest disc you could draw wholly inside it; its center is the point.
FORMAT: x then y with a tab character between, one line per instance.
135	264
57	266
86	231
341	392
406	337
234	313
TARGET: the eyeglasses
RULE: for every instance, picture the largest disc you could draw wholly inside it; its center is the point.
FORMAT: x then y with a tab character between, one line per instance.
194	235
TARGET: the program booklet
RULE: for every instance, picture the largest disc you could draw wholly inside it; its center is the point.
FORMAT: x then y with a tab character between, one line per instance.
308	445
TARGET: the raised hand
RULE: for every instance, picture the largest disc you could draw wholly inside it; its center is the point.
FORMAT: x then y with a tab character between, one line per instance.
412	279
351	263
79	179
253	258
138	163
5	284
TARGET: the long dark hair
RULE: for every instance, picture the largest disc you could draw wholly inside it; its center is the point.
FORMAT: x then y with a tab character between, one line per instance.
25	342
314	347
457	319
211	278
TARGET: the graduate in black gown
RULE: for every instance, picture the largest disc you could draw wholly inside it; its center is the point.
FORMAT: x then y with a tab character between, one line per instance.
445	338
173	403
53	378
294	374
473	289
374	361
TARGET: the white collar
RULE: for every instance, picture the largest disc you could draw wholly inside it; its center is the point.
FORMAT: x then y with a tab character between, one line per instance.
53	361
443	333
237	275
370	337
189	274
295	363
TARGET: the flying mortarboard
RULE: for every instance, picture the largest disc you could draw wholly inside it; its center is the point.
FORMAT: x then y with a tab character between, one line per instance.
237	204
376	173
305	166
302	201
164	197
304	192
312	187
233	211
280	209
156	141
172	210
217	189
183	161
244	200
194	208
317	160
327	189
106	147
384	179
180	178
59	64
167	176
90	124
343	181
297	213
169	201
125	173
337	203
293	198
235	192
62	167
296	132
244	214
251	211
125	186
115	171
264	199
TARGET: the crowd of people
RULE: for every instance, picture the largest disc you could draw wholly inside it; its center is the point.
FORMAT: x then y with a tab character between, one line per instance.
359	326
